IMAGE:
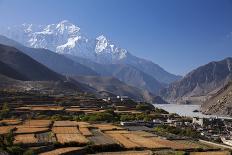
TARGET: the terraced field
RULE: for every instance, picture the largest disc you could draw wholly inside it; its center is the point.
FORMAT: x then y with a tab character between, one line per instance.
99	138
71	133
67	150
65	130
26	139
71	138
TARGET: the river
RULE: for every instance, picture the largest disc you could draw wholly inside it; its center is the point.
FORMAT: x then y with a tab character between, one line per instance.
183	110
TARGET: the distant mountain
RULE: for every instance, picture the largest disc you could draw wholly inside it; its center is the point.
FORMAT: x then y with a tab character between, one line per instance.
201	83
54	61
66	38
19	72
110	85
220	103
125	73
26	66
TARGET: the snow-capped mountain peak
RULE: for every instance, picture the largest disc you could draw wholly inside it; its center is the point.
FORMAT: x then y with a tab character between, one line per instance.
101	44
66	38
66	25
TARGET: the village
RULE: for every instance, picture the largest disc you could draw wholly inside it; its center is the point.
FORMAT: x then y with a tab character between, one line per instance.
83	124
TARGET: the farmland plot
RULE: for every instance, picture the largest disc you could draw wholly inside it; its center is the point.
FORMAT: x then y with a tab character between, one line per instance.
84	124
193	144
66	150
6	129
99	138
106	127
172	144
85	131
10	121
47	108
25	139
65	124
146	152
26	130
211	153
144	142
47	137
71	138
117	131
65	130
124	141
37	123
143	133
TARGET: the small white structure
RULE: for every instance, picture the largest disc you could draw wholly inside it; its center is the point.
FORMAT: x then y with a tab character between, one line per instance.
198	121
226	141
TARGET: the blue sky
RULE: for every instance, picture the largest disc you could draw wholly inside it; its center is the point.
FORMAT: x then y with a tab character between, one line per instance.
179	35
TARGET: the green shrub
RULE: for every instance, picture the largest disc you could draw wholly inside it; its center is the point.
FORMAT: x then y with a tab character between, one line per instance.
29	152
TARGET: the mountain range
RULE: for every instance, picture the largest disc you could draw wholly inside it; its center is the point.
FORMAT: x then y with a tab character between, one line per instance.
58	57
201	83
67	39
20	72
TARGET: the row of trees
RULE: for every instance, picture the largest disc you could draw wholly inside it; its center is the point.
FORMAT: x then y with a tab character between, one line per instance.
4	111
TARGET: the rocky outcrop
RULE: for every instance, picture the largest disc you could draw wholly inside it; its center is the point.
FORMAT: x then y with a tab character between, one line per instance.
201	83
220	103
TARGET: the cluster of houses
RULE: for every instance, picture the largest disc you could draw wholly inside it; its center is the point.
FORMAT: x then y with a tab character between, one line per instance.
215	129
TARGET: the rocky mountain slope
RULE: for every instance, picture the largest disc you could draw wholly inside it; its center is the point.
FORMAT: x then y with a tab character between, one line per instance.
67	38
43	87
10	72
220	103
26	66
201	83
114	86
54	61
125	73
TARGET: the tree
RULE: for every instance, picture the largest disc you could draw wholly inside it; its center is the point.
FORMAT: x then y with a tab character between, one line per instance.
5	110
143	107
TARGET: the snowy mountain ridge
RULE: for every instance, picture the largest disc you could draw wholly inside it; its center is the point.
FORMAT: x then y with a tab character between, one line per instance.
66	38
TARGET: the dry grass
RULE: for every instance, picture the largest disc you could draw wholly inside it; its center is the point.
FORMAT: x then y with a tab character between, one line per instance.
67	130
85	131
63	151
65	124
144	142
11	121
6	129
69	138
146	152
101	139
25	139
143	133
47	108
117	131
94	111
193	144
37	123
127	112
211	153
124	141
107	127
23	108
73	110
26	130
84	124
171	144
